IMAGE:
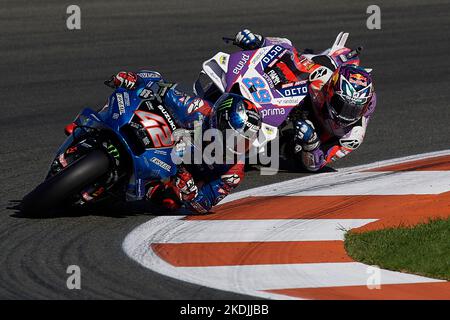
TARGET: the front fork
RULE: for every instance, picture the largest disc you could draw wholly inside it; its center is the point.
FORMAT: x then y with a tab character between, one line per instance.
78	146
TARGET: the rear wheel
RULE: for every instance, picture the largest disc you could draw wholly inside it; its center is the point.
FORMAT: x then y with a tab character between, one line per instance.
57	189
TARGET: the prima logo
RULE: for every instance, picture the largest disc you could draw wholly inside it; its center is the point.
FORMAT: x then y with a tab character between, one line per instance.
241	63
272	112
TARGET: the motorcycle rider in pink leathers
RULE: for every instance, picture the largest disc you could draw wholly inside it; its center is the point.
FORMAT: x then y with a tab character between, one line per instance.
331	122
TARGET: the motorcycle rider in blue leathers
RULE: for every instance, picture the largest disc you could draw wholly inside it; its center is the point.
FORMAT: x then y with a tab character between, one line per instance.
197	187
332	121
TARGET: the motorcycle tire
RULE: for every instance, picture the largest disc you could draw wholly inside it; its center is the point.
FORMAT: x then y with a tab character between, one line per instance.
55	190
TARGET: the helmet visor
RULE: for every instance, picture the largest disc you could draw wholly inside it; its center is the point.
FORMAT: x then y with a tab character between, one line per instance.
237	121
345	111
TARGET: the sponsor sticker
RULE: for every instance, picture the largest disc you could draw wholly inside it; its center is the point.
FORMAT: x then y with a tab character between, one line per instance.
290	101
152	74
294	91
350	143
86	196
272	55
163	88
358	79
274	77
62	160
126	97
196	104
272	112
168	117
307	63
319	73
161	163
231	179
146	93
223	60
120	103
149	105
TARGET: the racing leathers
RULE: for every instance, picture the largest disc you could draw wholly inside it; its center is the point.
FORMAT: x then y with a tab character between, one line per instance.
319	139
197	187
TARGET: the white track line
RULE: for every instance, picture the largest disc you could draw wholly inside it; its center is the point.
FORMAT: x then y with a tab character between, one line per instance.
367	183
251	279
298	185
137	246
197	231
304	275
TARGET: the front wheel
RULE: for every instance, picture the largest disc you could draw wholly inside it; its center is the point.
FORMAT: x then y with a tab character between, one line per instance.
54	191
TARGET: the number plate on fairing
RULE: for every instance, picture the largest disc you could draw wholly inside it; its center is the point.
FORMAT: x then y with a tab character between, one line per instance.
153	119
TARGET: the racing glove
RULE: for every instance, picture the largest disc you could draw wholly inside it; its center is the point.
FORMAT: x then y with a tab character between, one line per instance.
127	80
248	40
305	136
185	185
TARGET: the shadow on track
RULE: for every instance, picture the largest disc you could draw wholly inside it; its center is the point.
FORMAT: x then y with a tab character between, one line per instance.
115	208
112	209
288	162
288	166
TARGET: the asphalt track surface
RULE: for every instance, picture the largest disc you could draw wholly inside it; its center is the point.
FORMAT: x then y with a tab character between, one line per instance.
49	73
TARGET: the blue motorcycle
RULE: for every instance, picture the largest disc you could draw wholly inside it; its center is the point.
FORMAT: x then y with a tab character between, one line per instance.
112	152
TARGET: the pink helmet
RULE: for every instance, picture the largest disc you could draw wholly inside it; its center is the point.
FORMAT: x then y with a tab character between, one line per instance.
348	94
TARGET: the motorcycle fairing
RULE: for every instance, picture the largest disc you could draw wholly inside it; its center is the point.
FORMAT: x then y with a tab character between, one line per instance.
248	70
122	111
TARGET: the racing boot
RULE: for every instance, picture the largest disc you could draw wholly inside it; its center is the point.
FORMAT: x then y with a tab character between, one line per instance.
163	195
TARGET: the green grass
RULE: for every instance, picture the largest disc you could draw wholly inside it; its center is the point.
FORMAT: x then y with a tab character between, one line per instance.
423	249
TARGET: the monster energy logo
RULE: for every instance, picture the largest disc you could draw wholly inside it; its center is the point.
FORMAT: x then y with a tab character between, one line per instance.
226	103
112	150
